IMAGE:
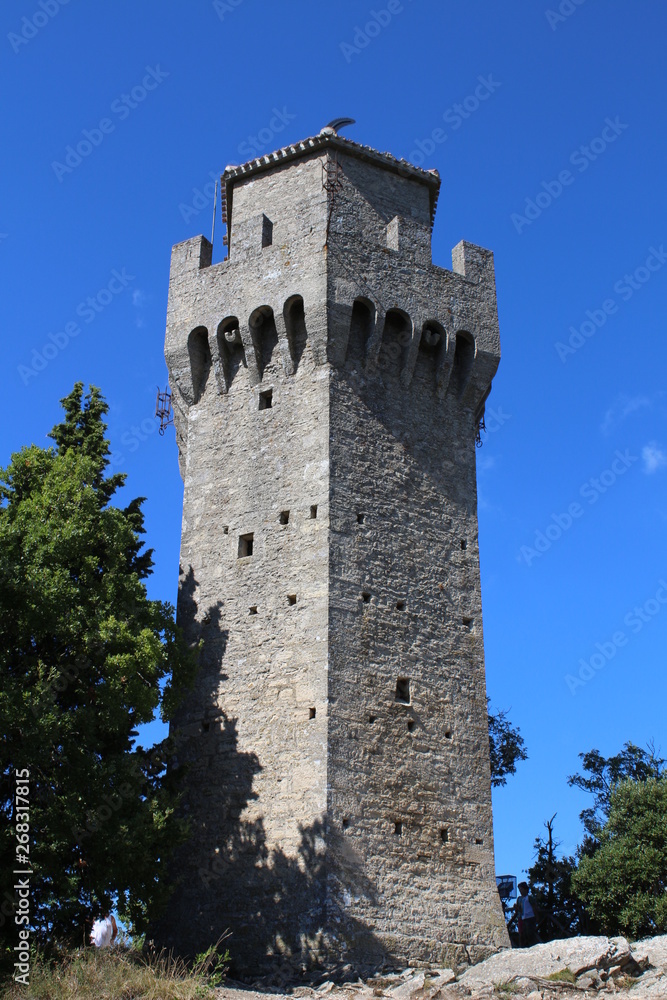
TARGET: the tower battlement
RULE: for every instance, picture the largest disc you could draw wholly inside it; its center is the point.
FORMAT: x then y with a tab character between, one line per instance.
328	381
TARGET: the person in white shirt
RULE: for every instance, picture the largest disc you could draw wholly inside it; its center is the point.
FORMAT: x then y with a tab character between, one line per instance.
104	932
525	911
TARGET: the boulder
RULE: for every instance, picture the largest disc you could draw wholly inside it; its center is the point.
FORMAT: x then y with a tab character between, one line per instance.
655	949
579	954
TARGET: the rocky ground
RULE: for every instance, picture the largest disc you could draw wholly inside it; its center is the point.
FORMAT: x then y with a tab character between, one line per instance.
574	967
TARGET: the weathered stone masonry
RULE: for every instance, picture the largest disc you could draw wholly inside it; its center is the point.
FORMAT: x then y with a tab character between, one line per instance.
328	382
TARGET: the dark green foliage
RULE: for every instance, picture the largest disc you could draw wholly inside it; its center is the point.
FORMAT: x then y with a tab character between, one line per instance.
85	658
604	773
624	882
506	747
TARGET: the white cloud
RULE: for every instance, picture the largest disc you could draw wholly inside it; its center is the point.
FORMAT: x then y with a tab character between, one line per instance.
654	458
621	408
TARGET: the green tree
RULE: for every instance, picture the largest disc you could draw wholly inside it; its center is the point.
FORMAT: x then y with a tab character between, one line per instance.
85	658
506	746
604	773
624	882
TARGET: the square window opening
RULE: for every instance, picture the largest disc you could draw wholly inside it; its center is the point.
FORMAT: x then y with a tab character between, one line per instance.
246	545
400	605
372	718
478	840
467	622
253	610
403	690
291	600
366	597
266	399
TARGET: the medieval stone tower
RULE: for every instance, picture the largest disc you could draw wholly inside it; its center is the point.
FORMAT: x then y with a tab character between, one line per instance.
328	384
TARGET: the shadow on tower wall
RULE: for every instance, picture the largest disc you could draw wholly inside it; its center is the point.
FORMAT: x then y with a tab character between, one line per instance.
282	909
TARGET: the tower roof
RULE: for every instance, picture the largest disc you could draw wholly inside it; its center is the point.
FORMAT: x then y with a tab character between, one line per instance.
329	139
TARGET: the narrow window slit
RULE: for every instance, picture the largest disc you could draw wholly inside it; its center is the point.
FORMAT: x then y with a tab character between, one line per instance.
312	712
464	544
267	231
346	822
205	726
313	511
266	399
398	828
360	518
444	835
411	725
448	734
284	517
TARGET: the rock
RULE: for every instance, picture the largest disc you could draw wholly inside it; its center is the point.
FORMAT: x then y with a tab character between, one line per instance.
413	983
655	949
440	977
326	987
579	954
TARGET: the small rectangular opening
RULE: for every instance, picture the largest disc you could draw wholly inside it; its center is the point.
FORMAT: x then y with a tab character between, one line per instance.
411	725
403	690
312	712
346	822
398	828
225	529
246	545
291	599
372	718
253	610
267	232
205	726
478	840
284	517
464	544
366	597
313	511
444	835
360	518
467	622
400	605
448	734
266	399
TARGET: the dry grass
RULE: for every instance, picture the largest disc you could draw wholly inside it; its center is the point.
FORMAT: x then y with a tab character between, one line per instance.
121	975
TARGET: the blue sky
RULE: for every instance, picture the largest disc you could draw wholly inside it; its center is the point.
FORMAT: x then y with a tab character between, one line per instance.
547	126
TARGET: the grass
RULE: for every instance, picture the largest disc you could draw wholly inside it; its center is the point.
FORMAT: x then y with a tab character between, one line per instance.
562	976
121	974
507	989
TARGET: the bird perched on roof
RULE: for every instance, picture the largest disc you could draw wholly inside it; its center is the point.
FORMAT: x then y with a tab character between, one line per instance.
338	123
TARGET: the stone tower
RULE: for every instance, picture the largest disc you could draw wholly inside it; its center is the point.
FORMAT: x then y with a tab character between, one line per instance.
328	384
